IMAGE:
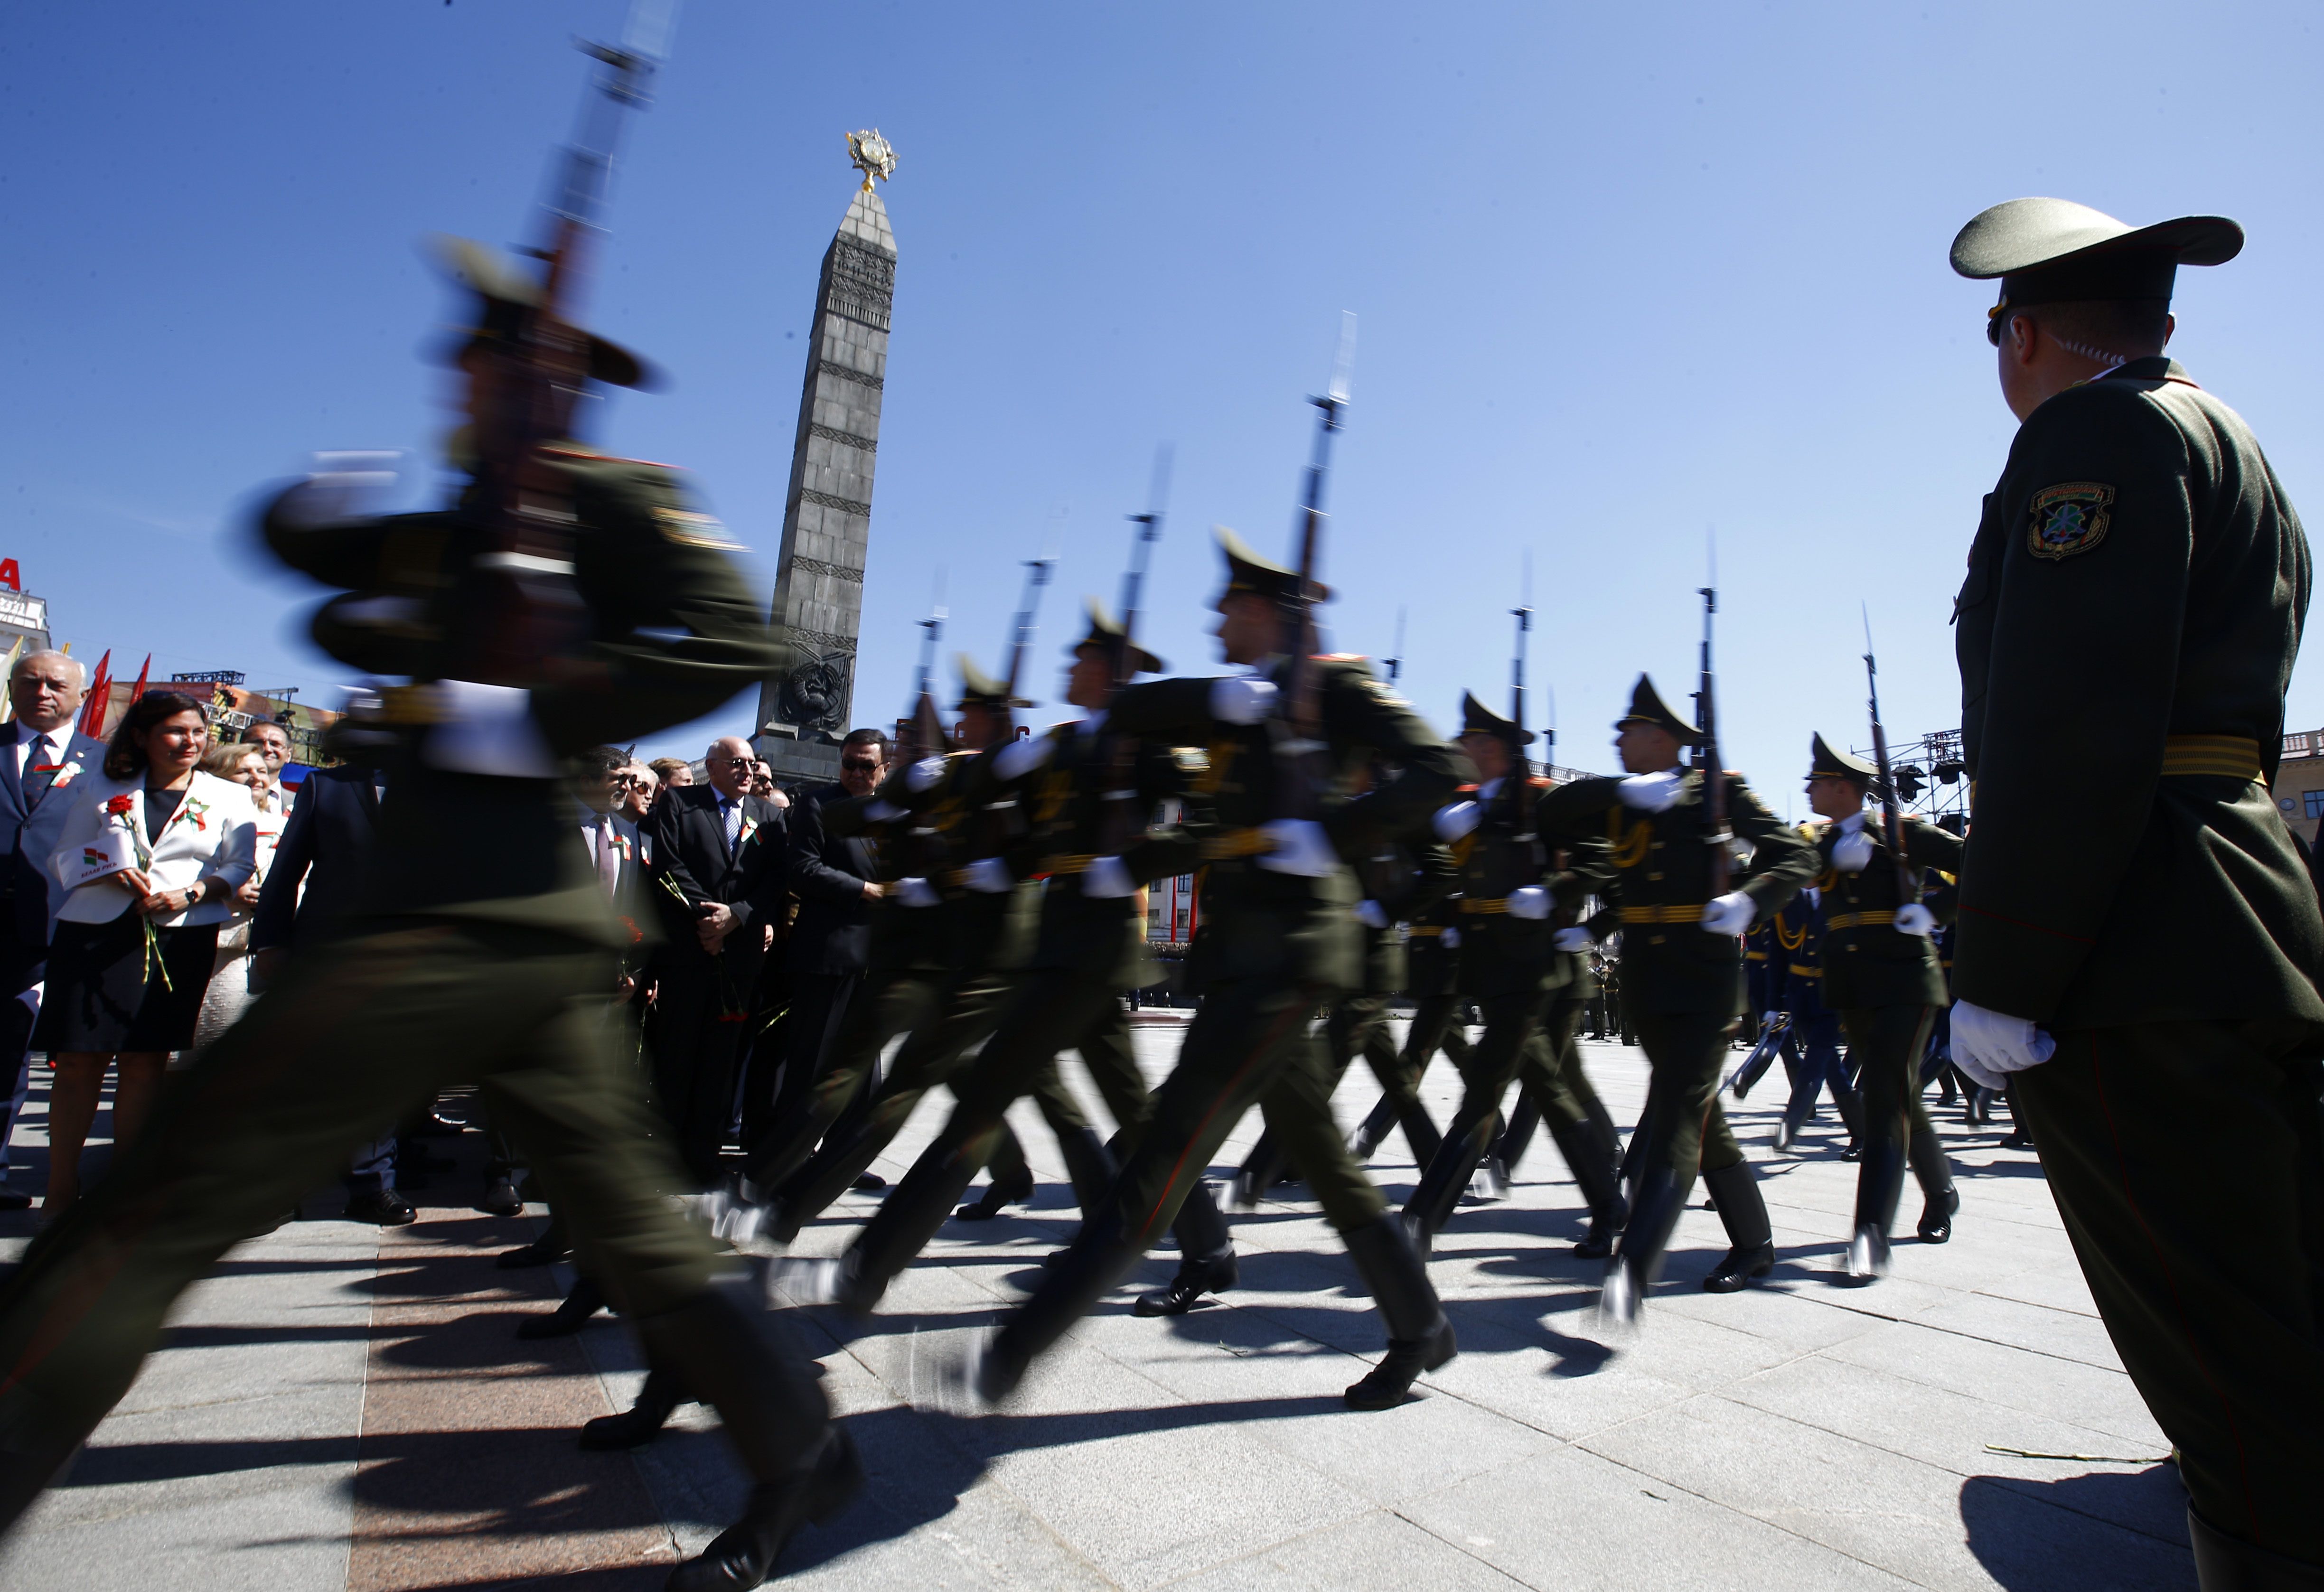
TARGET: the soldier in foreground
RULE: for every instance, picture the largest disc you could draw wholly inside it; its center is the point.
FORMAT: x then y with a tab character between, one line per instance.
1682	982
2133	605
463	961
1880	974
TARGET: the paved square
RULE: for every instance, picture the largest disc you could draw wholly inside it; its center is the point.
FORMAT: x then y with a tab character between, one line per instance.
318	1415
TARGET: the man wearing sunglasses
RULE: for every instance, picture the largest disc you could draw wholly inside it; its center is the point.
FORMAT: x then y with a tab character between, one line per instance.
2133	605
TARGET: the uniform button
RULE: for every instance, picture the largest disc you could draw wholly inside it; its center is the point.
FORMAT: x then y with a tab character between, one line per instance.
1654	876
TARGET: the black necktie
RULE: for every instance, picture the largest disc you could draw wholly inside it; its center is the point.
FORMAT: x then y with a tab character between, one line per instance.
39	773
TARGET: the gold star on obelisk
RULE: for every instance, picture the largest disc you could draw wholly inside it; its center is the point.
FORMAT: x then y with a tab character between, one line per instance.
873	155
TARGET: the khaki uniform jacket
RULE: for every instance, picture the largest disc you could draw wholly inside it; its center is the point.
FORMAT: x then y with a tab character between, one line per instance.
1865	962
2133	603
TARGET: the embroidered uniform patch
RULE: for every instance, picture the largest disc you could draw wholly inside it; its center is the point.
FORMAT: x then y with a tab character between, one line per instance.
689	530
2067	519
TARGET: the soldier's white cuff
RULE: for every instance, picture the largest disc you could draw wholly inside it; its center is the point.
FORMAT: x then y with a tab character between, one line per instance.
923	774
1451	823
1107	878
1731	913
917	892
1372	915
1652	793
1242	699
486	730
1916	920
1021	758
989	876
1301	848
1531	902
1573	939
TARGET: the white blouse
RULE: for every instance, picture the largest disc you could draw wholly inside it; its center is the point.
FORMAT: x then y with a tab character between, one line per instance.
214	832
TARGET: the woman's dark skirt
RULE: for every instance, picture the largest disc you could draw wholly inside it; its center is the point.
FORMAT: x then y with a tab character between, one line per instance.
104	994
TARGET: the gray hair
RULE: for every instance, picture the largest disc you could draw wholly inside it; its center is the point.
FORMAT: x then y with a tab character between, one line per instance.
79	667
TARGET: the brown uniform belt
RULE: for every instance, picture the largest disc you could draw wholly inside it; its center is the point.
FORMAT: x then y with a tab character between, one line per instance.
1236	842
1675	911
1471	904
1858	920
1424	931
1806	972
2235	757
1061	863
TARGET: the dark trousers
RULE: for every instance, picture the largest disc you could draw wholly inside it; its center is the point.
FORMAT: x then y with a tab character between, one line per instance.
1555	1080
2188	1165
22	968
1887	1042
354	1034
1433	1029
702	1016
1816	1045
1510	1019
836	1100
819	1005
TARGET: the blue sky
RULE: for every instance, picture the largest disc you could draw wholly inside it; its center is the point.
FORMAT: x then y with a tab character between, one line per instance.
1625	275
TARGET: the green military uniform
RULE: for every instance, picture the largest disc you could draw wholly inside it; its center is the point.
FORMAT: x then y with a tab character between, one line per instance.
1432	959
2127	630
1090	948
1557	1090
1514	872
1272	948
1885	983
1402	878
1683	989
480	950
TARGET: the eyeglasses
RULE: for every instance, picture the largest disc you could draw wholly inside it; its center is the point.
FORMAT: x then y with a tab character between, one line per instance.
859	765
727	762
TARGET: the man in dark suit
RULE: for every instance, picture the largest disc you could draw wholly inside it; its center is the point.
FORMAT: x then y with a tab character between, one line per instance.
40	756
327	843
714	872
836	881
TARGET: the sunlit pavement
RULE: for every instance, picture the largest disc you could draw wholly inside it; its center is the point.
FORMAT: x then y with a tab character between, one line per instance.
339	1406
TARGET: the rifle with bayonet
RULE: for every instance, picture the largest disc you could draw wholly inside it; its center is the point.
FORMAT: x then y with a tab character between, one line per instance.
1122	818
1891	819
1716	833
923	728
1304	758
533	623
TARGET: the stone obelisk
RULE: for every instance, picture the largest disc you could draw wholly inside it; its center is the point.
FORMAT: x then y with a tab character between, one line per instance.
818	601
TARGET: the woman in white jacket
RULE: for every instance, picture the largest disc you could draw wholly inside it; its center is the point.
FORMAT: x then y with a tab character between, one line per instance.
153	855
230	993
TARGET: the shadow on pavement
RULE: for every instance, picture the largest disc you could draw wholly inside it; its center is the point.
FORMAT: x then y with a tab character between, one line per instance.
2111	1530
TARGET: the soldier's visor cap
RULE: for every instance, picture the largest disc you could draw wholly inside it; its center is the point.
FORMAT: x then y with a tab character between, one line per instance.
979	689
1248	572
2055	251
1827	761
1648	707
1476	719
1107	635
506	296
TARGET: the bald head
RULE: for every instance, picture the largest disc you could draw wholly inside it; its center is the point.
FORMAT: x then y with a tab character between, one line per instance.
729	762
44	689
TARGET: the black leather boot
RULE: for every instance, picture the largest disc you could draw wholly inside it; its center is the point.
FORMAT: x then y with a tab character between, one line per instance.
548	1249
1517	1136
2229	1564
1091	1266
1419	1338
1005	1188
1750	1240
1447	1179
1656	1206
1089	1167
738	1357
909	1218
569	1317
1600	1185
1372	1129
1197	1275
635	1427
1261	1170
1938	1199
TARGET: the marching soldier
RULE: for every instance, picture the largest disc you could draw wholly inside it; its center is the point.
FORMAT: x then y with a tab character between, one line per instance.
1681	983
2133	605
1811	1043
1090	841
1431	956
1511	884
461	962
1276	943
1880	974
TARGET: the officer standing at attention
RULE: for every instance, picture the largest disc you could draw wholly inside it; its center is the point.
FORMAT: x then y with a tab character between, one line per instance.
479	947
1880	974
2133	605
1681	983
1277	941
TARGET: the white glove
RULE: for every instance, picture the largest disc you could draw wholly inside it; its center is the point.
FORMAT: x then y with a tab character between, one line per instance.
487	730
1451	824
1242	699
923	774
1731	913
1452	939
1107	878
1916	919
1573	939
1990	1045
1372	915
1531	903
1021	758
917	892
879	810
1652	793
1301	848
988	876
1852	852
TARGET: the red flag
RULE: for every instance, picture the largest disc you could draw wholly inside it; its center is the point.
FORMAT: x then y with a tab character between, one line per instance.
144	669
100	688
